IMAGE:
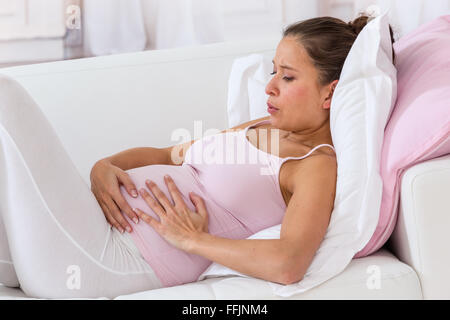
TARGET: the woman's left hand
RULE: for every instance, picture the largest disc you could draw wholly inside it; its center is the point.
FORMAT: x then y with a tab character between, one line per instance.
178	224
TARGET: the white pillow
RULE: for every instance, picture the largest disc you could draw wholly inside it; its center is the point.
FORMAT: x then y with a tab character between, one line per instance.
246	88
362	103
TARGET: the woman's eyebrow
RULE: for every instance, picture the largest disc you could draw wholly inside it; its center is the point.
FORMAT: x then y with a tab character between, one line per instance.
285	67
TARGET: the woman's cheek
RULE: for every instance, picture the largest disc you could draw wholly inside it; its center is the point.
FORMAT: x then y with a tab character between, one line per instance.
296	95
300	91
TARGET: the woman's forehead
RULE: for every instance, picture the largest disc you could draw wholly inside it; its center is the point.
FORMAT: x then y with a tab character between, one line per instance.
291	52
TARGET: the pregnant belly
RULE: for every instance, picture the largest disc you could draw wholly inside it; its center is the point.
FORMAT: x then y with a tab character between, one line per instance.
174	266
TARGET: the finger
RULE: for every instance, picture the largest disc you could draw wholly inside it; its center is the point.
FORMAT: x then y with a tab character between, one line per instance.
147	219
110	218
159	195
104	208
117	214
125	207
175	192
125	179
152	203
199	204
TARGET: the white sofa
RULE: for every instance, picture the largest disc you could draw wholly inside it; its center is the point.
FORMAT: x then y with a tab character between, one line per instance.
100	106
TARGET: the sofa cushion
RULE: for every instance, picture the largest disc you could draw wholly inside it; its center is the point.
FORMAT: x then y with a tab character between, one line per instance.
358	281
419	128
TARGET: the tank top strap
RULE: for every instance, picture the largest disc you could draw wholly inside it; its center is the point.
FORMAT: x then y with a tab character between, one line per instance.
283	160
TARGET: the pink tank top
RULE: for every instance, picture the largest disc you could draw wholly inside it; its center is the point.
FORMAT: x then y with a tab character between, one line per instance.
239	184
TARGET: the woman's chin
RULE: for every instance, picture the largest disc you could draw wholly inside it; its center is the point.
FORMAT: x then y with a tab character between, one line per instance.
272	119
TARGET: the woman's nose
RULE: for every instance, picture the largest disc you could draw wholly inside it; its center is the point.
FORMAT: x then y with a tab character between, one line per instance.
271	88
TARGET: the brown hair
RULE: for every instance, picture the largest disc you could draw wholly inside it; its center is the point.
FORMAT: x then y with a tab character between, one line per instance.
328	41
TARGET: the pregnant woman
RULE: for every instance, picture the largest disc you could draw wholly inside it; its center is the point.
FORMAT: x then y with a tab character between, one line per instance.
60	239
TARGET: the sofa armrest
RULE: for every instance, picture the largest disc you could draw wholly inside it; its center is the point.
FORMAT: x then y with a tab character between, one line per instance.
421	236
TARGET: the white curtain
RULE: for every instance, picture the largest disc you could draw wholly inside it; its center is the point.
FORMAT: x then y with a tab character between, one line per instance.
113	26
118	26
178	23
407	15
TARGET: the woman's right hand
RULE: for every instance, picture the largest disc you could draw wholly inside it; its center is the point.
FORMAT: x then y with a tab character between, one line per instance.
105	185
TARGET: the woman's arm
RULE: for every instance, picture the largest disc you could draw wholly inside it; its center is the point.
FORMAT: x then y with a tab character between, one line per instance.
304	226
263	259
283	260
139	157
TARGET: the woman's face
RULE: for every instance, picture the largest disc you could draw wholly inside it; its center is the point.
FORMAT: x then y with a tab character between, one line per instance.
294	90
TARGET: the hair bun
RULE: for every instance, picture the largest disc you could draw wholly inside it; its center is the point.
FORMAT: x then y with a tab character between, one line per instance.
359	23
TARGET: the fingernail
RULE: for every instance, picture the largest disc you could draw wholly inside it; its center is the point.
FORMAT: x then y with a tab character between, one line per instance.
121	230
129	229
136	220
134	193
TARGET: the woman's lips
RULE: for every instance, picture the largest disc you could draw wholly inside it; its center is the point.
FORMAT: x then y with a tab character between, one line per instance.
271	109
271	106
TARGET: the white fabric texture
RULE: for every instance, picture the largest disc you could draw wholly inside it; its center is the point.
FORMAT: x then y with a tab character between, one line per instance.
362	103
179	23
7	273
113	26
397	281
119	26
246	89
59	242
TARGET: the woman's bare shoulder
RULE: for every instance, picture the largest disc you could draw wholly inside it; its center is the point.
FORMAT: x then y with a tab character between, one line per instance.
319	166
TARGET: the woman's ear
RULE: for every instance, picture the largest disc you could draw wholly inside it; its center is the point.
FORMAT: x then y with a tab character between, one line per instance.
330	91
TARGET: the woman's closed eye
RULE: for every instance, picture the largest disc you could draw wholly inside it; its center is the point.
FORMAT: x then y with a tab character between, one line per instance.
287	79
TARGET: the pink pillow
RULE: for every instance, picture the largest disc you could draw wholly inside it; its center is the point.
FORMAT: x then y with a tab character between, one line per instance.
419	127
